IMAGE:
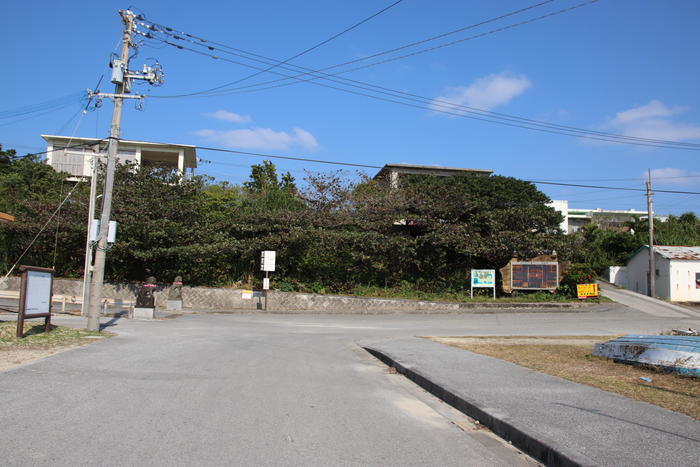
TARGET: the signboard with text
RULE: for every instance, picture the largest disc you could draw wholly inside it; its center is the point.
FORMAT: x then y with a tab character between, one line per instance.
483	278
587	290
267	261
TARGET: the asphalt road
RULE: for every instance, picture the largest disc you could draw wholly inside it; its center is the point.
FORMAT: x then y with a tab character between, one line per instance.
260	389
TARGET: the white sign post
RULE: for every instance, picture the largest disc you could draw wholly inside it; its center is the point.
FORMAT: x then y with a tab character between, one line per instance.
483	278
267	261
267	264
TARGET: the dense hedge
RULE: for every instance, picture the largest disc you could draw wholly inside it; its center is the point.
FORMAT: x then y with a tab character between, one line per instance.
331	234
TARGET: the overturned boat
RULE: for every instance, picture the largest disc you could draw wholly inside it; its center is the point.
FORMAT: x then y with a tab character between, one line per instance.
680	354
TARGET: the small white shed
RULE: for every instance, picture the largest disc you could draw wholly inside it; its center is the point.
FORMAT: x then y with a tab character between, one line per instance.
677	272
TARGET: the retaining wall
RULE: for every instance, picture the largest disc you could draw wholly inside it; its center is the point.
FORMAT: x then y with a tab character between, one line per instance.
222	299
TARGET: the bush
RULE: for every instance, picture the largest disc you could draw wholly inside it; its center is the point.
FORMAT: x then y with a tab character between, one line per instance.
577	273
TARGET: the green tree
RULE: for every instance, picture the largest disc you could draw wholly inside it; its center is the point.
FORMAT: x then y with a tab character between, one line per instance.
32	191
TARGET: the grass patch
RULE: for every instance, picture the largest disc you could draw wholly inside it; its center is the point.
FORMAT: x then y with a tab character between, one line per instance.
570	357
464	296
36	338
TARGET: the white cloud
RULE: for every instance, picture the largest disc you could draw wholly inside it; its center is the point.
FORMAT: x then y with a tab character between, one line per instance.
261	138
230	116
653	120
486	93
673	176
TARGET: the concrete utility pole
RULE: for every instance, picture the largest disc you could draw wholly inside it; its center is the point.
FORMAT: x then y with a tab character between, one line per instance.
88	242
121	77
98	273
652	259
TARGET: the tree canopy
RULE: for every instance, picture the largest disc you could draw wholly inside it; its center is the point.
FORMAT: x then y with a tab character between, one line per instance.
335	232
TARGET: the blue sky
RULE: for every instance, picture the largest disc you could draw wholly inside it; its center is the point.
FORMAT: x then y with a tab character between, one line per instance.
617	66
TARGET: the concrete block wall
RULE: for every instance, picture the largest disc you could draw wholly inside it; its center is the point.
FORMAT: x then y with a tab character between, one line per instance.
222	299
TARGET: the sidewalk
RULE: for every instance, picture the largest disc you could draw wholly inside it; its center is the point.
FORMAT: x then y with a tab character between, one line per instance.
556	421
646	304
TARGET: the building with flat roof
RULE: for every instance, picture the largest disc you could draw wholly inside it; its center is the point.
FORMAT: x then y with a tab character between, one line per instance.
393	172
75	155
574	219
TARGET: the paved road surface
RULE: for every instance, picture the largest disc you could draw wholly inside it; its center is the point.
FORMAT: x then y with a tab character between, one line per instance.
257	389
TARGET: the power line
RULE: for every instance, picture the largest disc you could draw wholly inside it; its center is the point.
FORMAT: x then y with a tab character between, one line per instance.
613	188
615	179
41	106
275	65
360	59
301	159
426	103
62	148
452	108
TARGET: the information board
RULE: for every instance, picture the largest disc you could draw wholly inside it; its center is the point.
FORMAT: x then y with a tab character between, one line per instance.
534	275
267	261
483	278
37	301
34	296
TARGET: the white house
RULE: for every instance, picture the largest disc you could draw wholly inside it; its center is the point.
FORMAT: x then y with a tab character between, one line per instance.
677	272
74	155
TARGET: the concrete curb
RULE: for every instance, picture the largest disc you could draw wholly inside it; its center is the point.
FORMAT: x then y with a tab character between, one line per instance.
535	445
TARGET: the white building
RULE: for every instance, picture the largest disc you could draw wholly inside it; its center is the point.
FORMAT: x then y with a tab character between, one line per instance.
75	155
574	219
677	272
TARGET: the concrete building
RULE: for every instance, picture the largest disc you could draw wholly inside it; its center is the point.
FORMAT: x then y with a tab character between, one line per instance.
74	155
677	272
393	172
574	219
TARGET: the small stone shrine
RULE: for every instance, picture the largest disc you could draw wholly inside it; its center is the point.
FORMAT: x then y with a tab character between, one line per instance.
145	301
175	295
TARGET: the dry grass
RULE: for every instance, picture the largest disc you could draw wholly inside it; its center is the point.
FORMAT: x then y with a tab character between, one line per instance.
37	343
570	357
35	337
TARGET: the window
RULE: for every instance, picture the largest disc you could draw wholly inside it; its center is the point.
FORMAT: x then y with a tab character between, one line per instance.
70	161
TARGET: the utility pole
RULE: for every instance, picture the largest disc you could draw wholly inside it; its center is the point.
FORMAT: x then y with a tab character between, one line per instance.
121	77
89	241
652	259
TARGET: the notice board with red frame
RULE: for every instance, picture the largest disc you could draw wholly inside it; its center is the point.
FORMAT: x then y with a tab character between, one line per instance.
530	275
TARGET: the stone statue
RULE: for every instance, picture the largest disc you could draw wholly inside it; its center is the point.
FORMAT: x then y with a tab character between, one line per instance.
145	298
175	292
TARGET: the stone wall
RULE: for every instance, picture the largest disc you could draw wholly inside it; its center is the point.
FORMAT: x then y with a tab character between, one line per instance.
222	299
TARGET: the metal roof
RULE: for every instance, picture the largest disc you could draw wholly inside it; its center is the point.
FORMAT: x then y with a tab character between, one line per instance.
687	253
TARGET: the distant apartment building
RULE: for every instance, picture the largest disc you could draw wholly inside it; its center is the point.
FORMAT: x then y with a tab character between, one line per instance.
75	155
574	219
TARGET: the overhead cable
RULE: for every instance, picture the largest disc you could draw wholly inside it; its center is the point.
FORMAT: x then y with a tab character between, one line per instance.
168	30
442	106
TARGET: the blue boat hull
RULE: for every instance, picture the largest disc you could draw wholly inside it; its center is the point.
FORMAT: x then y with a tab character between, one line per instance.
676	353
